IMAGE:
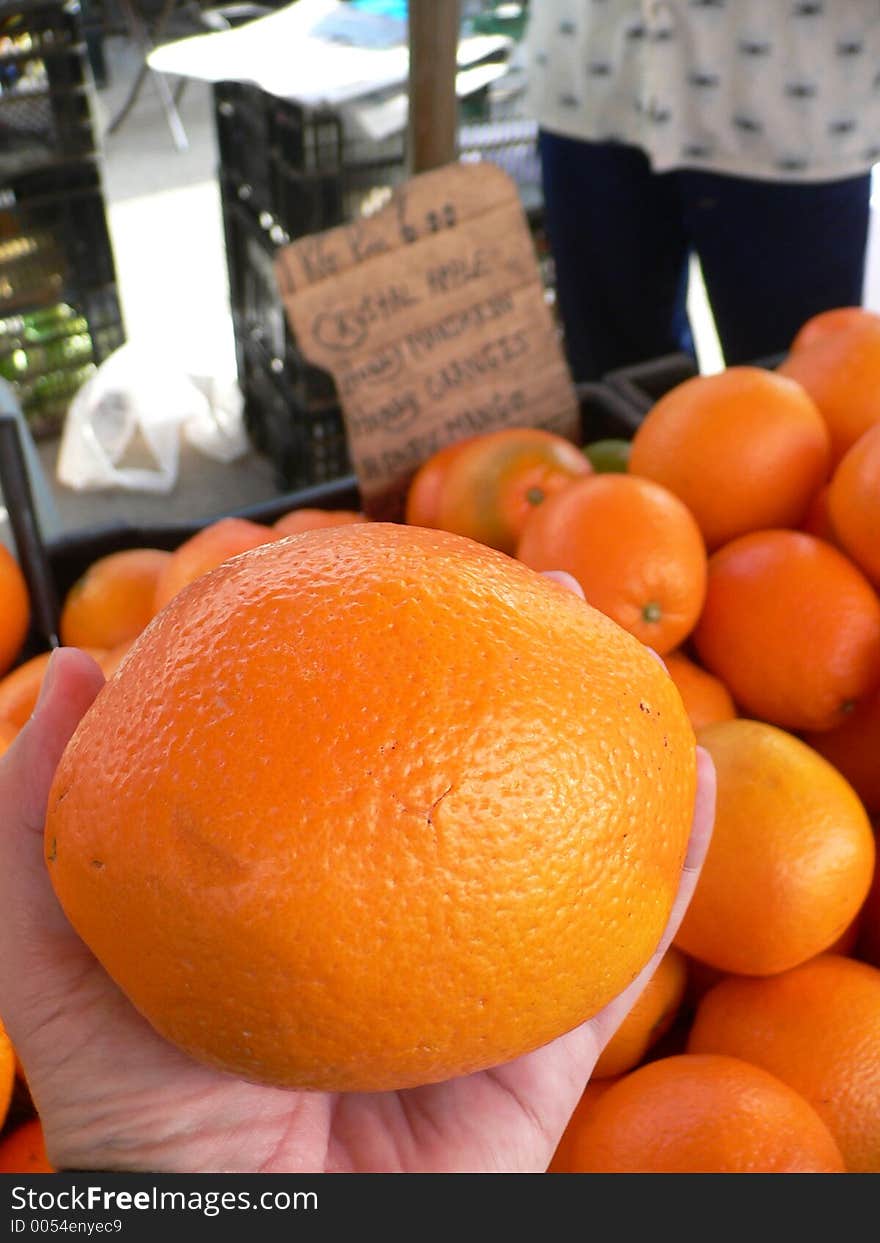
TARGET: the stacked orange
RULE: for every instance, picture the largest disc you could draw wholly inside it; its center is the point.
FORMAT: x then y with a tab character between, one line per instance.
742	543
116	597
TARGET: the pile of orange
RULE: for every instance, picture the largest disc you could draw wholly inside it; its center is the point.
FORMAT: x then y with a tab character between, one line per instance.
112	602
739	538
742	543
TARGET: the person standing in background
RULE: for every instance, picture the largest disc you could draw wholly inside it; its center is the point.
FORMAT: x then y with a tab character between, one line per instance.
737	130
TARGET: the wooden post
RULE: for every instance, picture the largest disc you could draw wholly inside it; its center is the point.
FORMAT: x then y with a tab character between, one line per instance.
432	135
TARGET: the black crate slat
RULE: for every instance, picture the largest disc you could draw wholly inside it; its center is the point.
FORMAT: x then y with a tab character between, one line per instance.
45	106
288	171
54	237
60	315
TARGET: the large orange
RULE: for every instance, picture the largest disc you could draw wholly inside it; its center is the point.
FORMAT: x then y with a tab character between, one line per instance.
854	748
650	1018
113	600
791	857
691	1114
792	628
23	1150
840	370
498	479
818	1028
412	809
705	697
7	1073
15	609
744	448
209	547
634	548
854	503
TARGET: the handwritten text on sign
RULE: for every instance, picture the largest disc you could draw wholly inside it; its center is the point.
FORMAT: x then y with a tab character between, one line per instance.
431	317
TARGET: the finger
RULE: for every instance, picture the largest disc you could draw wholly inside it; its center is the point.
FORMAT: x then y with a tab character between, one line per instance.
30	914
71	681
659	659
566	580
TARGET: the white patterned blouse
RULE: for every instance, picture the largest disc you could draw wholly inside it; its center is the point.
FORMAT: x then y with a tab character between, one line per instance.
779	89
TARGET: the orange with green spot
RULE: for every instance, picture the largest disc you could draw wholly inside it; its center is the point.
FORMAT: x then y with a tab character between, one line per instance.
492	485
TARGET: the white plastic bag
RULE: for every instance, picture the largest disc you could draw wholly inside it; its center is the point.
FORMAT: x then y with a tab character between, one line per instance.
123	428
218	431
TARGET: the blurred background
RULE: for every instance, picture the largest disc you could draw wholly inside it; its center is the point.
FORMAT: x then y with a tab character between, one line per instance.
146	207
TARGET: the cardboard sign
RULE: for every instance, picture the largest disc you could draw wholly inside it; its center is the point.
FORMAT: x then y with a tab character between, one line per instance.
431	317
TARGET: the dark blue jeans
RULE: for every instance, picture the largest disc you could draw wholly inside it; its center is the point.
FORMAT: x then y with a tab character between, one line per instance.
772	254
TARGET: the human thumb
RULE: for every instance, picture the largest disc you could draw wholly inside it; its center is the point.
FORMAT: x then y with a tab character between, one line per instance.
34	933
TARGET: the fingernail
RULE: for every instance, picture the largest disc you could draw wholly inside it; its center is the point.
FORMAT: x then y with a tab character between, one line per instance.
565	580
659	659
48	679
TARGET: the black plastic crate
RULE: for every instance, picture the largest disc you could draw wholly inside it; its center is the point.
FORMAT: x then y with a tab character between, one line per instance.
256	129
606	414
306	445
45	108
311	140
38	27
643	384
44	128
54	240
51	567
254	298
304	203
46	355
241	120
71	553
298	163
258	314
